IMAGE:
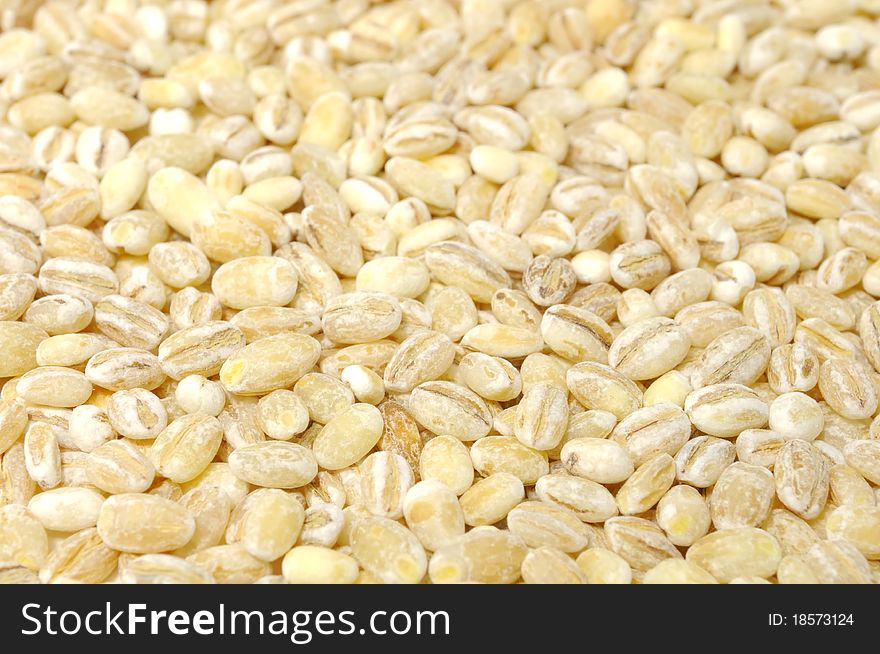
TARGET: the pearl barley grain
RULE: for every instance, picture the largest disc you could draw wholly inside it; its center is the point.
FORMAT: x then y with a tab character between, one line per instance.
195	394
796	415
592	267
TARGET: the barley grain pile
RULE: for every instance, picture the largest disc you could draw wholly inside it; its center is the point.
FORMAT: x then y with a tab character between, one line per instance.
570	291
